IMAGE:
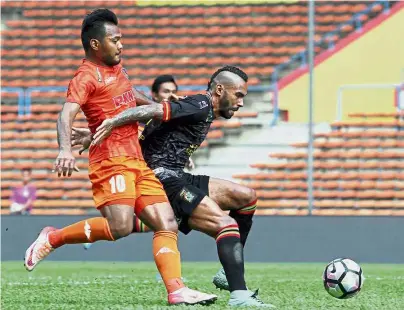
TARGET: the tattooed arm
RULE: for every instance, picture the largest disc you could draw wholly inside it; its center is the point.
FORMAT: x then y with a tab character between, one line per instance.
142	113
132	115
141	99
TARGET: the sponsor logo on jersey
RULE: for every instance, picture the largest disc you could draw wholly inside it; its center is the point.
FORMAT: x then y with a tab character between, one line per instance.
125	98
109	80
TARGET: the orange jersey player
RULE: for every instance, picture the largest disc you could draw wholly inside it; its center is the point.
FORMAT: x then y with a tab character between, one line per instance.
120	178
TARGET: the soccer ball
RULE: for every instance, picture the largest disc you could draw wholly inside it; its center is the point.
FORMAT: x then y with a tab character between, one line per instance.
343	278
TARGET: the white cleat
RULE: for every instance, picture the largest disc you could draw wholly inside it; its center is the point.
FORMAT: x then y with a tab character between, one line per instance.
39	249
187	296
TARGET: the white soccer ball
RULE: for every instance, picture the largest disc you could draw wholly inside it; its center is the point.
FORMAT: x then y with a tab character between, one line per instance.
343	278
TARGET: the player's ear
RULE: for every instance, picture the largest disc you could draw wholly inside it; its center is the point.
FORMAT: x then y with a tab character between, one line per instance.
219	89
95	44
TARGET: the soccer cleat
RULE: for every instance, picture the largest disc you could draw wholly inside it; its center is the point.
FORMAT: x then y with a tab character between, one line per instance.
247	299
39	249
220	280
187	296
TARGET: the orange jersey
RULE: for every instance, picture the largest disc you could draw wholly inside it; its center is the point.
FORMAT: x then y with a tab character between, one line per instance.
103	92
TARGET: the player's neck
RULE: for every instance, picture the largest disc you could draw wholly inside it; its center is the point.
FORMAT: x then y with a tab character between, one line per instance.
96	61
215	103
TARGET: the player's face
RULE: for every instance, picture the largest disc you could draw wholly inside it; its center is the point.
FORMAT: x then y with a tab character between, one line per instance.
111	45
232	99
166	91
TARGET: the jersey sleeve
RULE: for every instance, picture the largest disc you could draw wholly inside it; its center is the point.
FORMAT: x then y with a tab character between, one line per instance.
80	88
195	109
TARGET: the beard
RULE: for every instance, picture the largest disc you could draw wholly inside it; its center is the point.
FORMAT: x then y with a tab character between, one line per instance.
225	111
227	114
112	60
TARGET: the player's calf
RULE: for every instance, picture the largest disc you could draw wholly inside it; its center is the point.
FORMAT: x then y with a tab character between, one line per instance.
210	219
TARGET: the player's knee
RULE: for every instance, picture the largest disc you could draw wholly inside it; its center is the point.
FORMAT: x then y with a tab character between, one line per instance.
246	196
225	221
161	217
252	195
120	227
171	224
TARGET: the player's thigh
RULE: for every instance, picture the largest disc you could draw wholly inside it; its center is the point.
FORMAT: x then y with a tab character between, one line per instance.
149	189
152	205
209	218
113	180
229	195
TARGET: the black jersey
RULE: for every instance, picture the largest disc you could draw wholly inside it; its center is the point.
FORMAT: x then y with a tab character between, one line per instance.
169	143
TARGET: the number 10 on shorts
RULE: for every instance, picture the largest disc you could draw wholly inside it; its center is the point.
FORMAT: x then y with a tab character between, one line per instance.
117	184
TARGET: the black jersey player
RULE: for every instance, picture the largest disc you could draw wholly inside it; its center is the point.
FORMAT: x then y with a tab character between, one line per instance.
177	129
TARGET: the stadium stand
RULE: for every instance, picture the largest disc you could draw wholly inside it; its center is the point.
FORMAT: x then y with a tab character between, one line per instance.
357	171
41	47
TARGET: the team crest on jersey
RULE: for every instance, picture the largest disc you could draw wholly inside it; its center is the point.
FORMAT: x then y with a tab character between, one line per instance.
187	195
125	73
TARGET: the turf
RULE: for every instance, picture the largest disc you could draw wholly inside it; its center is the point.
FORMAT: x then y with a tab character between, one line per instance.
88	285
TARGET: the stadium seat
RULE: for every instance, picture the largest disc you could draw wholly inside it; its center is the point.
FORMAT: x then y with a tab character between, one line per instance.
46	30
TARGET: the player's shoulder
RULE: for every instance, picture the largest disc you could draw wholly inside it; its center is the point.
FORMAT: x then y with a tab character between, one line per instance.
86	73
200	100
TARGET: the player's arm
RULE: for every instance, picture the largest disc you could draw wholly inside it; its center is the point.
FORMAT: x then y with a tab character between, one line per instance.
65	162
129	116
142	99
165	111
80	88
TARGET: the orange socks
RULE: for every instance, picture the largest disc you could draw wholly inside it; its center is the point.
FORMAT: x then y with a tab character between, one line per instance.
168	259
90	230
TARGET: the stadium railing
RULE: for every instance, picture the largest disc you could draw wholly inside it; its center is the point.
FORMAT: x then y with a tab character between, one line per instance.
21	97
398	88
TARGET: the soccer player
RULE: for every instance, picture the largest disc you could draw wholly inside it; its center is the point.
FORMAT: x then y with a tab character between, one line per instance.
165	87
121	180
198	201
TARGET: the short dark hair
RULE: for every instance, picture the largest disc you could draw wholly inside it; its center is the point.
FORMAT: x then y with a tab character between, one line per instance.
231	69
161	80
93	26
26	169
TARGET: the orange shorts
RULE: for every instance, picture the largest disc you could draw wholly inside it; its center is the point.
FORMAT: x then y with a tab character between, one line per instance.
125	180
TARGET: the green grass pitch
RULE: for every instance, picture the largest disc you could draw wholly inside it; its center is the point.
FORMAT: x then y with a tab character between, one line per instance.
89	285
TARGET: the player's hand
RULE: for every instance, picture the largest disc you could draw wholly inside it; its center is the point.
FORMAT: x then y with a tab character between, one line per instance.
103	131
65	164
190	164
82	137
175	97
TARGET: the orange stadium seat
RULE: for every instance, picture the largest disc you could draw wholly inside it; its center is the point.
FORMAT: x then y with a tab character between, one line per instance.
353	182
47	21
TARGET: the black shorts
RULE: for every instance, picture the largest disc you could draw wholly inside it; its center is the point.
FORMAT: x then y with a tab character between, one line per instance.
185	192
